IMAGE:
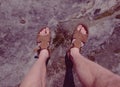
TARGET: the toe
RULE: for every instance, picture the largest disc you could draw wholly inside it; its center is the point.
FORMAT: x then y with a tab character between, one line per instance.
79	27
47	30
83	31
42	32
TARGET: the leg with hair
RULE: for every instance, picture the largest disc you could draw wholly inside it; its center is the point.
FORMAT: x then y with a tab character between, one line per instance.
36	77
90	73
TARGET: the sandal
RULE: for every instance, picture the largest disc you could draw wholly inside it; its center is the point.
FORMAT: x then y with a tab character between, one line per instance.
42	42
79	38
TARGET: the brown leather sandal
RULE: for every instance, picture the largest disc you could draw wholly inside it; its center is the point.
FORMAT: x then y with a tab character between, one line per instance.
79	37
42	42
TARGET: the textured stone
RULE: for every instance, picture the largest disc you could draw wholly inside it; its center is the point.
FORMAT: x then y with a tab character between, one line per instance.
20	20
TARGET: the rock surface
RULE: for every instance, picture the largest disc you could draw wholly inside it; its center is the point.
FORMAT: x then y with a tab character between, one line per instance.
20	20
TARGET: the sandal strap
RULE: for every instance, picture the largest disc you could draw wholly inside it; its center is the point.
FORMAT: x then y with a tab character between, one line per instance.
44	41
77	43
79	37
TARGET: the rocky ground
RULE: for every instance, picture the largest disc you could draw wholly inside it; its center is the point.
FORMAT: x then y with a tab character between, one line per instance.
20	20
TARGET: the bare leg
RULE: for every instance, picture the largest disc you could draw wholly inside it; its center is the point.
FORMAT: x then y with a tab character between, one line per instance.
92	74
36	77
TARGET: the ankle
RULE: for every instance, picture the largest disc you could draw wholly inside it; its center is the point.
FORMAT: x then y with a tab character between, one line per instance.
44	54
74	51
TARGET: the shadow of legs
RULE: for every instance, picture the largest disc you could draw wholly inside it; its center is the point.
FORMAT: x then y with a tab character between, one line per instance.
69	80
